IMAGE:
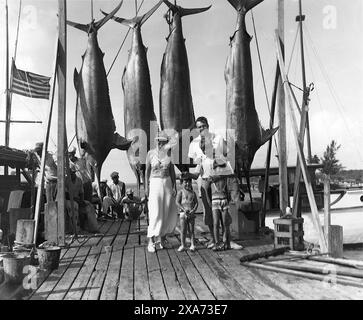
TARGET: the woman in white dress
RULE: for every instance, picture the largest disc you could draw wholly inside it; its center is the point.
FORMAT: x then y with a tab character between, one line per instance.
160	188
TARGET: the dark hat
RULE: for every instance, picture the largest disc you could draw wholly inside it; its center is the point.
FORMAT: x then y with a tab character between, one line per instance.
114	174
186	176
39	145
129	191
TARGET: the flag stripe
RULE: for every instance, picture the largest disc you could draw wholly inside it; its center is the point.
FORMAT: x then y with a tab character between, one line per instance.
30	91
30	84
38	96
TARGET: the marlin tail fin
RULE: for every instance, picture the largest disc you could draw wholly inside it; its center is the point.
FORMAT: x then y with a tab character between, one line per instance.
246	4
120	142
184	11
139	20
94	26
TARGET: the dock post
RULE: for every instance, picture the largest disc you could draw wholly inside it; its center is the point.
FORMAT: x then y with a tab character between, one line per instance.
333	233
61	74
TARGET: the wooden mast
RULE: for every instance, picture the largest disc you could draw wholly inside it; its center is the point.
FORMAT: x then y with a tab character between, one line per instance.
7	117
304	120
283	189
61	149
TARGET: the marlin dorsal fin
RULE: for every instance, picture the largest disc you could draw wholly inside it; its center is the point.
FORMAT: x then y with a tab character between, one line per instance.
139	20
185	11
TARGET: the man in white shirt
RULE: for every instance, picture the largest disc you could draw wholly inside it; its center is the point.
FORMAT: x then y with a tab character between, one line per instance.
113	201
208	151
204	150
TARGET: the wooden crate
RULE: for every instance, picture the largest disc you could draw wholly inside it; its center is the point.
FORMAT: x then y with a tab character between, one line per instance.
289	233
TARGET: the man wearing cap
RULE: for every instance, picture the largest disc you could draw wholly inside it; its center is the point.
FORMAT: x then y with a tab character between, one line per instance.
50	172
113	201
82	172
133	206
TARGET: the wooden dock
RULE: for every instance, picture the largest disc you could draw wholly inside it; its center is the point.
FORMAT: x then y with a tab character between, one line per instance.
116	265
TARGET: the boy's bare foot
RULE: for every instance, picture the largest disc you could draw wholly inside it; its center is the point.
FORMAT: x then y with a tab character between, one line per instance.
181	248
192	248
210	244
235	246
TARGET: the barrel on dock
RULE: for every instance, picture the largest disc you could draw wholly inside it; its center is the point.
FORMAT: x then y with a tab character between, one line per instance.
289	233
14	264
49	257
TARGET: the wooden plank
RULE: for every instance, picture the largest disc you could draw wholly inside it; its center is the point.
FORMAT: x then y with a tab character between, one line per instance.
300	289
256	287
132	241
141	288
181	276
223	275
80	283
195	279
126	287
172	284
95	283
69	276
47	287
156	283
109	291
215	285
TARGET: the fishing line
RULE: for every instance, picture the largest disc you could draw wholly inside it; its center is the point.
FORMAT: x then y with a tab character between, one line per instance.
118	52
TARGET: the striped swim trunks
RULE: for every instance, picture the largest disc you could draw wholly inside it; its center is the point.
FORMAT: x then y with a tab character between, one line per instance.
220	204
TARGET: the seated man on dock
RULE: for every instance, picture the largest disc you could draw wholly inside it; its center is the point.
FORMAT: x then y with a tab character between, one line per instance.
112	202
133	206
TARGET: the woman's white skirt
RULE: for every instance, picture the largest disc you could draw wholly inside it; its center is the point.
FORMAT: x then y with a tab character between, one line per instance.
163	215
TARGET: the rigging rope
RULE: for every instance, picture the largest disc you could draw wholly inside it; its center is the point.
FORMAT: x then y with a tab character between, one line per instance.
262	73
293	50
118	52
330	86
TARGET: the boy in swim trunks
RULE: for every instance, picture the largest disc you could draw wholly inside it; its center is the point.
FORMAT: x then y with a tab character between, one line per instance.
220	206
187	202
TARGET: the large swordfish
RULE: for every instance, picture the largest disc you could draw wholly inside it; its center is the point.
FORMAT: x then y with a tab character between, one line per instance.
241	112
95	125
176	105
138	101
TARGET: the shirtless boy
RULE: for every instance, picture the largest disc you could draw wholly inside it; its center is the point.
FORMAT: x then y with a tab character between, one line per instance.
187	202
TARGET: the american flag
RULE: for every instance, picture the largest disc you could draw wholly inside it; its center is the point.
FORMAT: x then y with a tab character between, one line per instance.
30	84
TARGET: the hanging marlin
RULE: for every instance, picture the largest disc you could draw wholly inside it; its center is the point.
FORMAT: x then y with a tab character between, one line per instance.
241	112
95	125
176	105
138	100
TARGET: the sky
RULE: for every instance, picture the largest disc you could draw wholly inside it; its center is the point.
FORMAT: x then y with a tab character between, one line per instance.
334	63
